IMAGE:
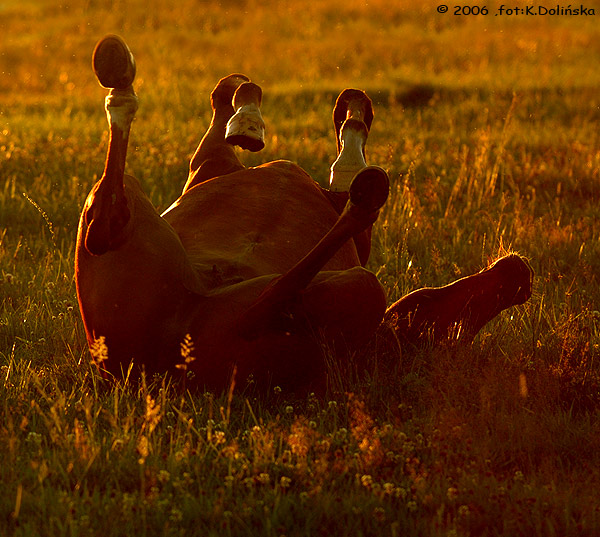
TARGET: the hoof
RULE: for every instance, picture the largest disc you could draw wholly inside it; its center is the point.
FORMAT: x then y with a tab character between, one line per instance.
113	63
352	103
246	128
225	89
370	188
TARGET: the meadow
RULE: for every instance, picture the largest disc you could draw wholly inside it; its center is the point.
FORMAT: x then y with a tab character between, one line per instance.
488	127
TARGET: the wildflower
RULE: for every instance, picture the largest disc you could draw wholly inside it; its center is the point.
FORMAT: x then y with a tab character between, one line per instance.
285	482
452	493
143	448
411	506
34	438
379	514
387	429
277	390
400	493
332	405
464	511
176	515
99	351
218	437
164	476
229	479
289	409
341	433
388	488
264	478
519	477
128	502
187	348
366	481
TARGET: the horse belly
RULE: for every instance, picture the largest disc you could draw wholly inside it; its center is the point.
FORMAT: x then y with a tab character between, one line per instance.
257	221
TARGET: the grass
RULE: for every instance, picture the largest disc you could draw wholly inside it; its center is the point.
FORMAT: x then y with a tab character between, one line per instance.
488	127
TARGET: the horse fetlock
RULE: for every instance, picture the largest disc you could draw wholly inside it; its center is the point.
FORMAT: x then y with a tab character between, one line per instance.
351	159
121	106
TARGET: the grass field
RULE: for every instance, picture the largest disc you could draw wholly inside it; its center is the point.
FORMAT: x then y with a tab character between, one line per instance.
488	126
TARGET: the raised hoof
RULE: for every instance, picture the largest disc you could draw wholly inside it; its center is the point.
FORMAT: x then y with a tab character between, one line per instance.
113	63
246	128
352	103
225	89
370	188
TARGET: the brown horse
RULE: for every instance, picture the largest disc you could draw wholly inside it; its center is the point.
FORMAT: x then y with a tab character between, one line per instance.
256	267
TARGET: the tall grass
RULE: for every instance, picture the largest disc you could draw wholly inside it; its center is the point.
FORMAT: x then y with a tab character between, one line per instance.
488	127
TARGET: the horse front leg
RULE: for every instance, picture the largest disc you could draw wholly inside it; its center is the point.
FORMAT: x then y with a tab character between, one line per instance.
368	193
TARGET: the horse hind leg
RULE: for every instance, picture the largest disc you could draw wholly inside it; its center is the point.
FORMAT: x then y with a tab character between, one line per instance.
106	213
215	154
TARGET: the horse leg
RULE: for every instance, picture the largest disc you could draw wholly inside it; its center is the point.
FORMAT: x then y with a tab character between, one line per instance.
352	118
106	212
215	154
368	193
131	271
459	310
